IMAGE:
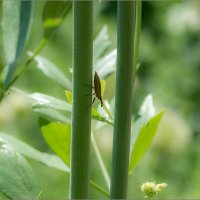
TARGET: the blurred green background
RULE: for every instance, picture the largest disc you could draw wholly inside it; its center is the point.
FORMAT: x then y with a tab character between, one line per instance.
169	69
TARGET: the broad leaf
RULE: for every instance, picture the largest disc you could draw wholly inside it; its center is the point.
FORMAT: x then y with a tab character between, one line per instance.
16	23
39	100
146	112
144	140
57	136
17	178
47	105
52	115
26	150
52	72
54	14
147	109
107	64
101	44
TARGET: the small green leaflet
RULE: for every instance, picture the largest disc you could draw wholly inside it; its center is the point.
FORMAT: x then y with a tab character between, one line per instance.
144	140
57	136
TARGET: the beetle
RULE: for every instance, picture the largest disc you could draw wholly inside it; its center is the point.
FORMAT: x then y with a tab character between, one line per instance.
97	89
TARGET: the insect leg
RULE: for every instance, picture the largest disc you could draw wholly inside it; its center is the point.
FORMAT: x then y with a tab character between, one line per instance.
101	102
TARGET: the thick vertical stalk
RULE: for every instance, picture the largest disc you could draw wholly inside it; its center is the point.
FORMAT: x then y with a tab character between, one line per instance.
123	101
82	98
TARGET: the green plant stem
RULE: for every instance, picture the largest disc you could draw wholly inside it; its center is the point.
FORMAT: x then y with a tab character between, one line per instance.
99	188
82	98
30	59
41	45
123	100
137	33
101	163
108	111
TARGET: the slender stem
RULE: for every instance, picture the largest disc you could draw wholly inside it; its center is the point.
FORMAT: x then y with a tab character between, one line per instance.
81	112
123	100
30	59
42	43
99	188
101	163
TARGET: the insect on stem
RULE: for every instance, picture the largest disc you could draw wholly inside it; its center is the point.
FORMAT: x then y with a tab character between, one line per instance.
97	88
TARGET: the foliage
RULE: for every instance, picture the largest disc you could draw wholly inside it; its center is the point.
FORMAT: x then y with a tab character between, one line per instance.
57	137
17	178
164	64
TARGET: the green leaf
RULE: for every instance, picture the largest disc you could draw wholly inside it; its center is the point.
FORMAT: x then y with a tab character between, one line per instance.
16	23
147	109
43	121
68	94
103	87
47	106
101	44
39	100
26	150
52	72
53	15
52	115
146	112
17	178
57	136
97	116
144	140
107	64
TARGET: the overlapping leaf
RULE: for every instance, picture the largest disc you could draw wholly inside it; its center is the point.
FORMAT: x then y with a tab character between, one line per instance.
52	72
57	136
144	140
26	150
101	44
52	115
107	64
39	100
17	178
143	132
16	23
